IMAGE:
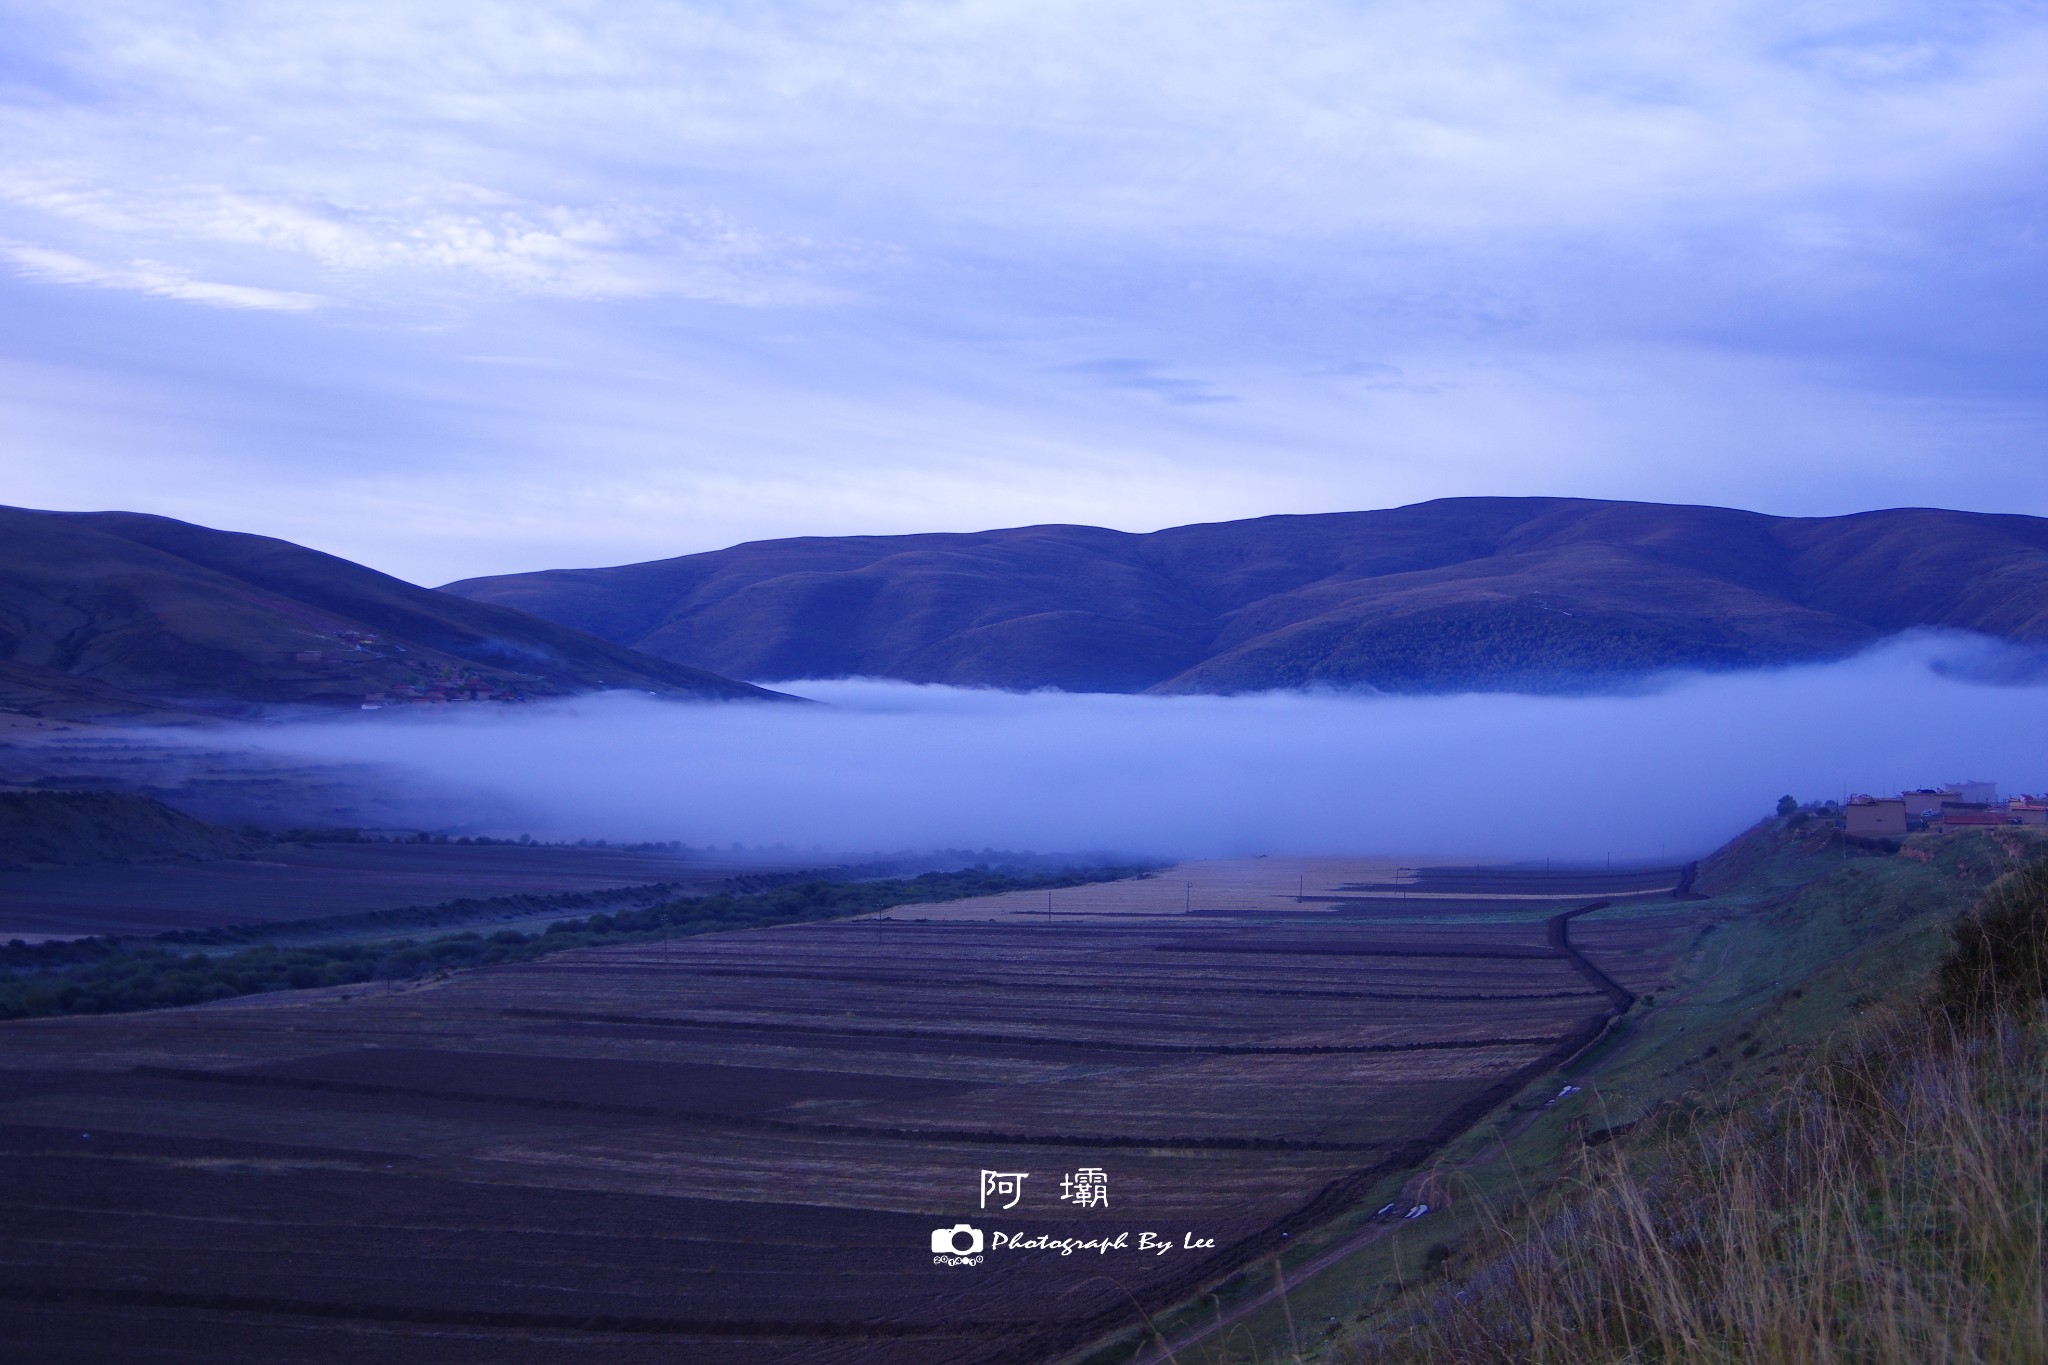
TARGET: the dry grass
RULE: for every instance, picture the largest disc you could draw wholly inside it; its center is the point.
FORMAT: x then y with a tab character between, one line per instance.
1884	1204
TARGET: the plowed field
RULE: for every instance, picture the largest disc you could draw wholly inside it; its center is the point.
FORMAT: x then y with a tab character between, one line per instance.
737	1147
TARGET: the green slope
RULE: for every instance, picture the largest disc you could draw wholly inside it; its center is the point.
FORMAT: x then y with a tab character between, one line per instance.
1803	949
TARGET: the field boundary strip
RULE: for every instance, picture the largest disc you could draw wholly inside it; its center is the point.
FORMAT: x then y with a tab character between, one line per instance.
1285	950
1028	1039
1558	927
756	1122
487	1317
1425	897
1126	988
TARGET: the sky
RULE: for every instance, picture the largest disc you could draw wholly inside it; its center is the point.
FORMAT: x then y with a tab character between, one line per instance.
473	288
1671	771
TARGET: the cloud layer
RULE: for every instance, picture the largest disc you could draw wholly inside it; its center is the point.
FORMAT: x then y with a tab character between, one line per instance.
1670	772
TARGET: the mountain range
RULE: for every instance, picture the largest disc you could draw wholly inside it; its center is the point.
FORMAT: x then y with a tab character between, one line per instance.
119	615
1493	593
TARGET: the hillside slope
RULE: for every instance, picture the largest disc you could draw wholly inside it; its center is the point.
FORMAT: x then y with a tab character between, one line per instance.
80	828
1487	592
1844	1163
1552	1232
104	613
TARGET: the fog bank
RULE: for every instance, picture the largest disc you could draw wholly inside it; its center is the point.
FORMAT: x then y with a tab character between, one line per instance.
1672	769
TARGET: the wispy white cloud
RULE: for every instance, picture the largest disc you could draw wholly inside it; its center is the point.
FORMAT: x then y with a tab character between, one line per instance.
150	277
595	252
617	142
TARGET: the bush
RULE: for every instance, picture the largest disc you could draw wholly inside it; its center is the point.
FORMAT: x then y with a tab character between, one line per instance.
1999	956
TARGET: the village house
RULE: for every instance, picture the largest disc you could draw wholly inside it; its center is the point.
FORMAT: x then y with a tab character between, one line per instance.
1924	803
1972	815
1959	805
1871	817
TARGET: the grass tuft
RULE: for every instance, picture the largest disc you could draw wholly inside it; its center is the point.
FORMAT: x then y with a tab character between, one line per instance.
1883	1201
1999	959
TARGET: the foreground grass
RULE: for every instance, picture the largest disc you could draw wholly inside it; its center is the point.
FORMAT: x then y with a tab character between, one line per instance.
1882	1200
105	976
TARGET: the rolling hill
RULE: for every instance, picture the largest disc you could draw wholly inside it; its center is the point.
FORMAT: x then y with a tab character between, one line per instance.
81	828
118	615
1495	593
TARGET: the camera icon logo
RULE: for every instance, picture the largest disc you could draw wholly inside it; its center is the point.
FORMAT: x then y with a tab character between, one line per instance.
946	1241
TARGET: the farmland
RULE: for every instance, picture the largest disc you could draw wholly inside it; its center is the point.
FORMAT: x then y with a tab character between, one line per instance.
735	1147
298	881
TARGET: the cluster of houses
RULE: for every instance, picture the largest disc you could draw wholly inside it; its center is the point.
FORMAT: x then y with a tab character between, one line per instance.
449	687
450	684
1959	805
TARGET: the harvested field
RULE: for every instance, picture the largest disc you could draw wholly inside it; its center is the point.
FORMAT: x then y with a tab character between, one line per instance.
737	1146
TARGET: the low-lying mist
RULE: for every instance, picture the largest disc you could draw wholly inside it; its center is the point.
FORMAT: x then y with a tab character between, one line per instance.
1669	770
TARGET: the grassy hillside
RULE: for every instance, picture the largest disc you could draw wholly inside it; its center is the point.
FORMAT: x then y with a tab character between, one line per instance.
1871	1194
1521	593
71	829
1804	1151
114	615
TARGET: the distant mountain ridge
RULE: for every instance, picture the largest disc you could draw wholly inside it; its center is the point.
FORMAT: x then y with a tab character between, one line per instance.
1492	593
120	615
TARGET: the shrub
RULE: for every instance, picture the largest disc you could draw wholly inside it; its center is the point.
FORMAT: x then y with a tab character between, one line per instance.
1999	955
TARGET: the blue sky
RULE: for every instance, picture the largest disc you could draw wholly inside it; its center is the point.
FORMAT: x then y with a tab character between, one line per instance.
472	288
